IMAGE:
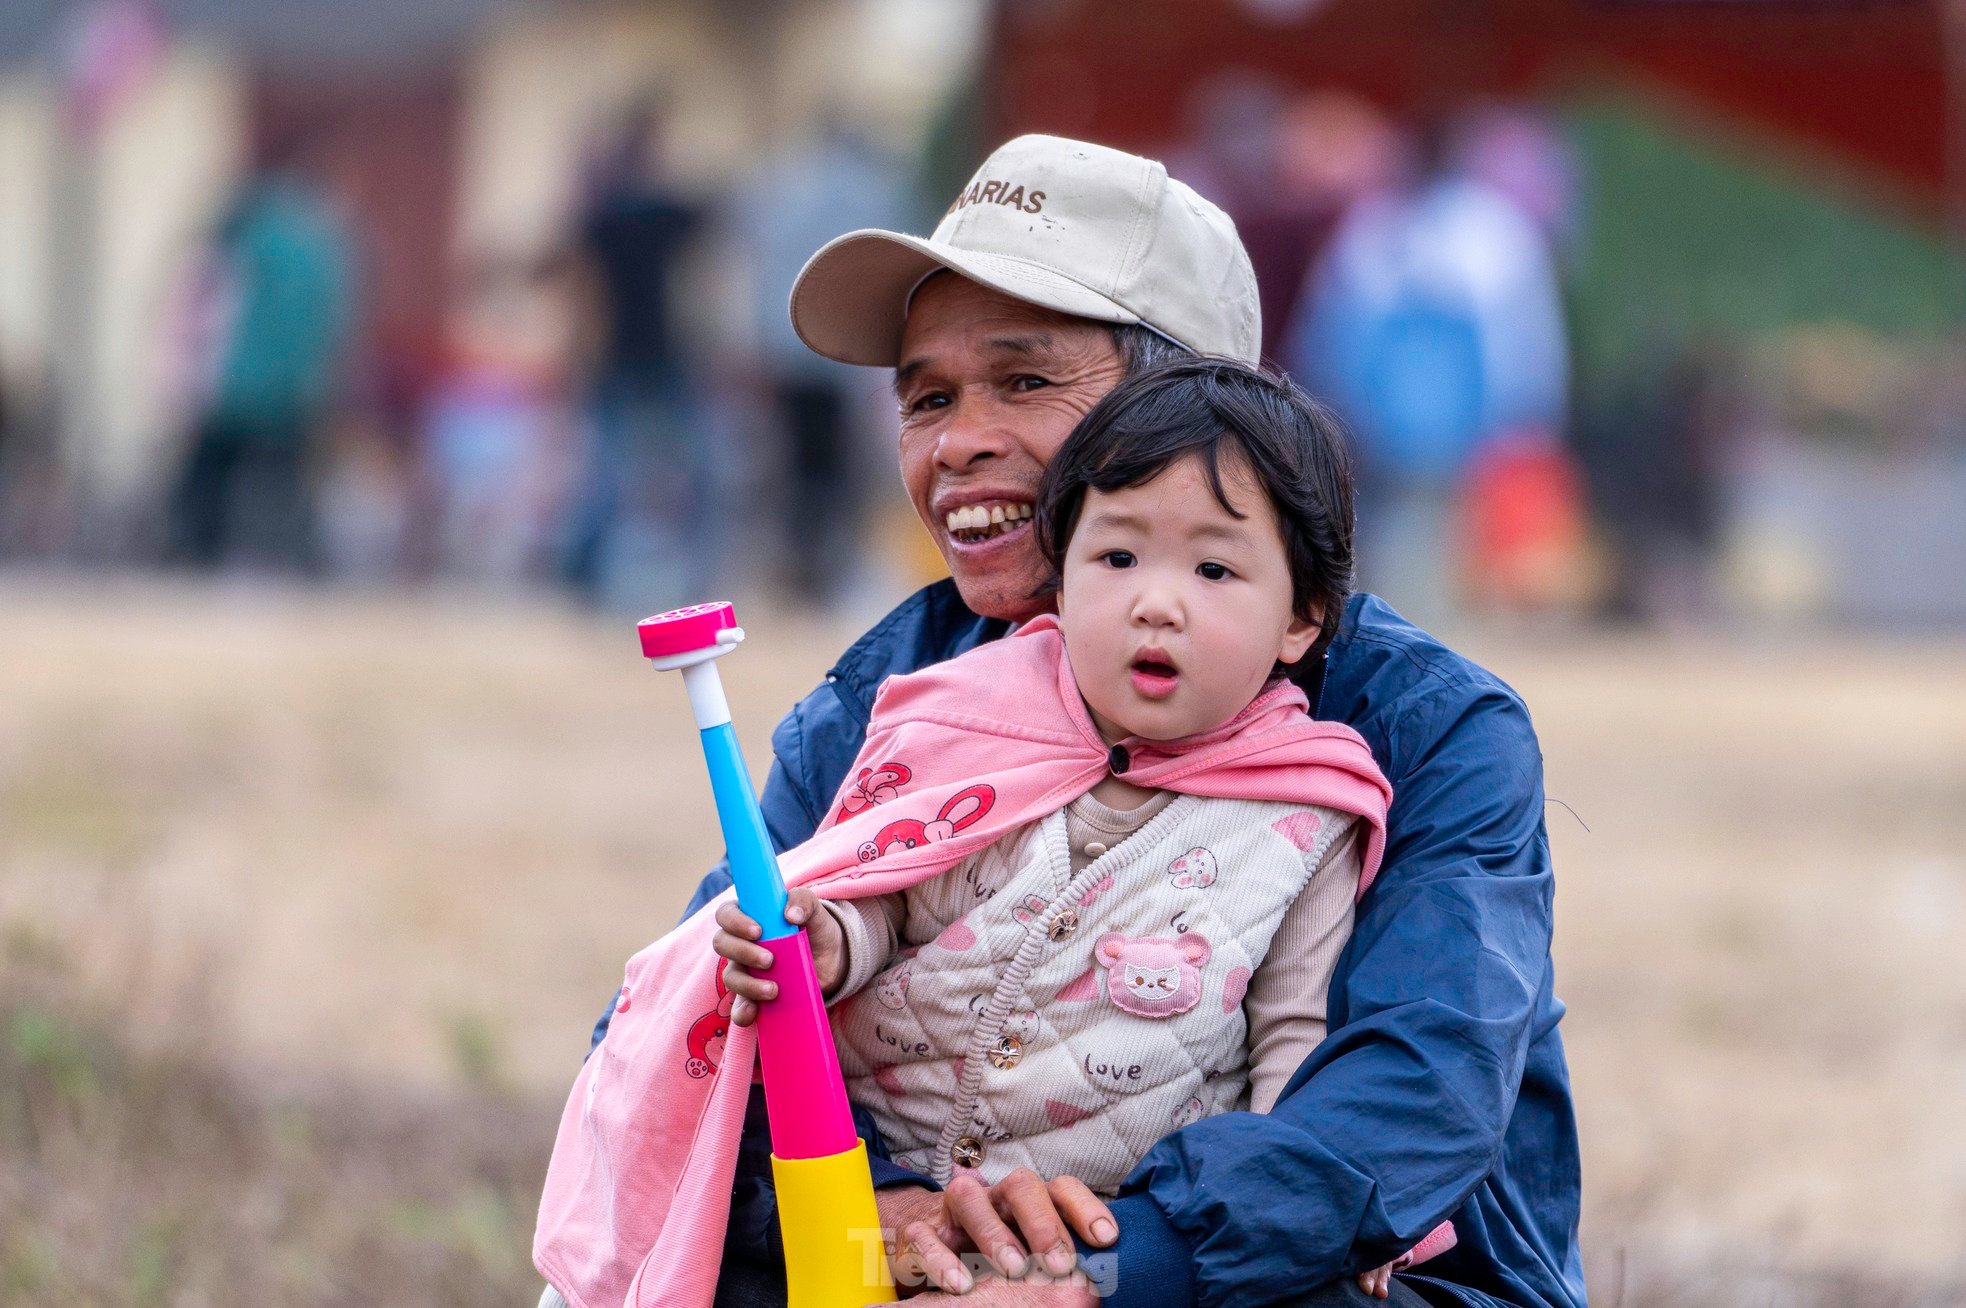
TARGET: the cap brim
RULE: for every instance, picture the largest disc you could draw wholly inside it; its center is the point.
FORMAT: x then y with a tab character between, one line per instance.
851	298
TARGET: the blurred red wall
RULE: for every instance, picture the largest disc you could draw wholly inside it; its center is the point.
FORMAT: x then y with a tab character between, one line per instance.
1863	81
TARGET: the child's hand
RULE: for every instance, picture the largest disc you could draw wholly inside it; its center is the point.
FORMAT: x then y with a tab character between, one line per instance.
1378	1282
735	941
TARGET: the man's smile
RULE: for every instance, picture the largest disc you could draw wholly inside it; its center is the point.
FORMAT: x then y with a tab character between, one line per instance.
984	520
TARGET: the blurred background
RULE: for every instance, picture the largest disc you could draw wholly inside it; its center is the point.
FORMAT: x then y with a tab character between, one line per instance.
366	368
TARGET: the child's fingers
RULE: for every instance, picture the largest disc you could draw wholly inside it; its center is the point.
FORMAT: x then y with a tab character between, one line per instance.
741	953
739	981
732	919
800	905
742	1012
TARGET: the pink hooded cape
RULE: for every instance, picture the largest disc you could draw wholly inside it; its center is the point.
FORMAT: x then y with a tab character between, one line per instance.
638	1192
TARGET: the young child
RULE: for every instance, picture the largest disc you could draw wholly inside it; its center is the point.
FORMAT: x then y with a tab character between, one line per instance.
1199	524
1085	885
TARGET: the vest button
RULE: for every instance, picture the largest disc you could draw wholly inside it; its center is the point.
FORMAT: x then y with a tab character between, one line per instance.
1063	925
967	1152
1006	1052
1093	849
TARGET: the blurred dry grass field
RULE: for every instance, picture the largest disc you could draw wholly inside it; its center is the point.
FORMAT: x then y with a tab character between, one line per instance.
307	903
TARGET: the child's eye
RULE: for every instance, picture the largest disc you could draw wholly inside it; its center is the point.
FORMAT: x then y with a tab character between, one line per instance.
1117	559
1214	571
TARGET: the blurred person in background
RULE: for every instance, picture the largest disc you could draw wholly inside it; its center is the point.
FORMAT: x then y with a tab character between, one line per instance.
494	425
1654	449
790	206
31	502
1434	324
1442	1091
263	321
637	532
6	435
1286	166
10	462
1233	154
1524	518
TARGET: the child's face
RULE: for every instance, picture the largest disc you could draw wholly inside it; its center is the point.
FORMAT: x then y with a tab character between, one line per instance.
1174	610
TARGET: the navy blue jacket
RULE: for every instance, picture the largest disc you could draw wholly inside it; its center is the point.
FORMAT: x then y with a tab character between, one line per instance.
1441	1090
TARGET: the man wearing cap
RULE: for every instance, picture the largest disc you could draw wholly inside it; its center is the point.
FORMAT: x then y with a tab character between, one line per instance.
1441	1091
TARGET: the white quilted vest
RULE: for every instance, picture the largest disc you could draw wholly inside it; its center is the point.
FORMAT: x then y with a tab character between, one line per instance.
1066	1023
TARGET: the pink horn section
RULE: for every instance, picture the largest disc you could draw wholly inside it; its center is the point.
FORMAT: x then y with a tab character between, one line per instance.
805	1098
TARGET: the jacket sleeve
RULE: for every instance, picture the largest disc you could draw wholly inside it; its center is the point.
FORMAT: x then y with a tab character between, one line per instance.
1397	1117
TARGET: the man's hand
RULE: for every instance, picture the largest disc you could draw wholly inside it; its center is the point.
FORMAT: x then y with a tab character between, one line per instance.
735	941
920	1240
995	1292
1023	1225
1041	1214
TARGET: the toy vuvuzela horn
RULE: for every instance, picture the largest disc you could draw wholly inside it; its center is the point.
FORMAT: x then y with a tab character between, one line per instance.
826	1209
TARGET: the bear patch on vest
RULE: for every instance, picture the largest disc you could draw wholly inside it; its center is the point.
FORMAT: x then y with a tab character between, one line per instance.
1152	976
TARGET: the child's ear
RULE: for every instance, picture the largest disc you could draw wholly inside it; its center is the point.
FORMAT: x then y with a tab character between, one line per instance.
1300	635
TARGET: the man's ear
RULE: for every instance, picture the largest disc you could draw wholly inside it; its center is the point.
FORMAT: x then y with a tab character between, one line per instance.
1300	635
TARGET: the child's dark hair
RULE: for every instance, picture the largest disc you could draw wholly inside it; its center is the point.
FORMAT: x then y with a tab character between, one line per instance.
1293	445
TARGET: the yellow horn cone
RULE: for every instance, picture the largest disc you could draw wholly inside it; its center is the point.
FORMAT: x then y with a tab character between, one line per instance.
835	1251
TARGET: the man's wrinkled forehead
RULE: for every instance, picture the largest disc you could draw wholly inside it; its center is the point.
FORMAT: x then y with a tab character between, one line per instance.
1017	347
1012	331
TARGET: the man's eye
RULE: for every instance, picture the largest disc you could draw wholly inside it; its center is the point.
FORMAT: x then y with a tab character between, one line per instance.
928	400
1116	559
1027	383
1214	571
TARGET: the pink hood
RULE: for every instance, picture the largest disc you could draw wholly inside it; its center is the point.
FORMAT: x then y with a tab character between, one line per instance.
957	755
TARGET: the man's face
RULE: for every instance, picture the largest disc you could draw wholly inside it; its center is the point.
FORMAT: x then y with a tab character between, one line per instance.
989	388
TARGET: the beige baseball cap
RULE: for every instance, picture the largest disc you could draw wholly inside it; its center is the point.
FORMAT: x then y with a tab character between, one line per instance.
1068	225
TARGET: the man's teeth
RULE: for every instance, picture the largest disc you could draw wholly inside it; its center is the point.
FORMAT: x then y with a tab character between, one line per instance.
987	520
